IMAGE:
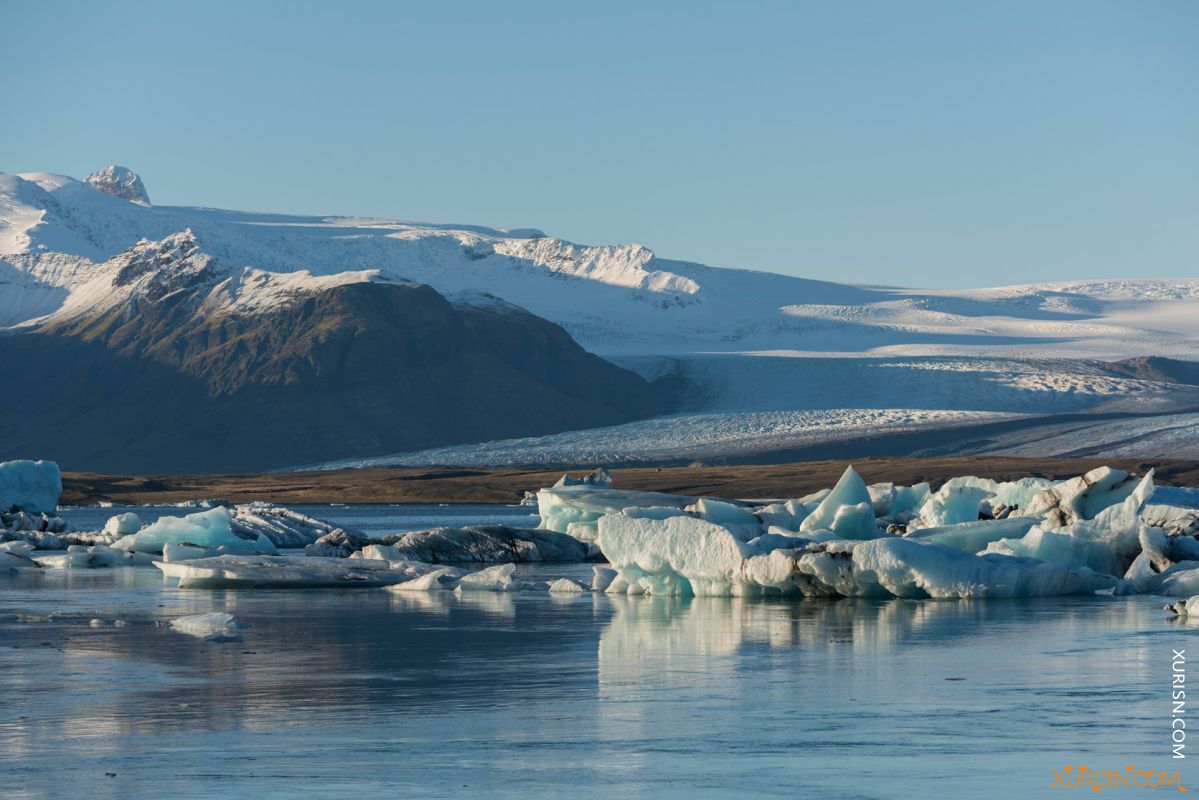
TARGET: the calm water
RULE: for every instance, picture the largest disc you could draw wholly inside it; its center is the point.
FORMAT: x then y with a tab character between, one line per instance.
340	693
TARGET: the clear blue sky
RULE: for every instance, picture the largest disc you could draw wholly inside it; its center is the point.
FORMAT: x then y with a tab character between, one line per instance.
905	142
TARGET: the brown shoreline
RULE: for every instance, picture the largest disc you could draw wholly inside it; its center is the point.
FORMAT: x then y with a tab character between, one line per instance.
473	485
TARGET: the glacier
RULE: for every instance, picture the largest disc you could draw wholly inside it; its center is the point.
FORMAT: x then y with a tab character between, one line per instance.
764	358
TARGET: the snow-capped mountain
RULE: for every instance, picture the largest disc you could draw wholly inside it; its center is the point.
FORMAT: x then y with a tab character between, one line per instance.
85	259
614	299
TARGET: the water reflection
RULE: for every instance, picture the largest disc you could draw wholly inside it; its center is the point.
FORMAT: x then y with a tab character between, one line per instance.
628	695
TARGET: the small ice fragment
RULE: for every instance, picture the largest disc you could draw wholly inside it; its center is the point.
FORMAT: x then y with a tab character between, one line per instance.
566	586
215	627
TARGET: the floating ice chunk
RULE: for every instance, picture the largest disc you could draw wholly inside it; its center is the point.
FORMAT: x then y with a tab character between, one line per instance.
1177	520
1180	580
908	568
81	557
123	524
563	505
777	541
1012	494
1187	609
18	547
602	578
10	561
440	578
1082	498
1108	543
882	497
172	552
583	531
855	522
850	491
30	486
283	526
597	477
789	515
975	536
566	586
677	555
204	529
483	543
722	513
908	500
215	627
338	543
953	504
275	571
492	579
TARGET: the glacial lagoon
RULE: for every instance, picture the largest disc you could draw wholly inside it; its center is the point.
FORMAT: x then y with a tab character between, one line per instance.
364	692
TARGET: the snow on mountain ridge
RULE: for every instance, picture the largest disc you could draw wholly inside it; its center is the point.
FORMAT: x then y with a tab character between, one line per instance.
120	182
615	299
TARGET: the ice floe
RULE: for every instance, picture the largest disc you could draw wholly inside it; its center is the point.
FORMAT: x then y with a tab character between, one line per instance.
205	529
476	543
229	571
30	486
214	627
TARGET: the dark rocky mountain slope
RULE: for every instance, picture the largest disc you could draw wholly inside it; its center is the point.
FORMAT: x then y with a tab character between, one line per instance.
155	383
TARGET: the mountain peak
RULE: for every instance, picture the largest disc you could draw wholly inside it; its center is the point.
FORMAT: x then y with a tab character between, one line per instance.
120	182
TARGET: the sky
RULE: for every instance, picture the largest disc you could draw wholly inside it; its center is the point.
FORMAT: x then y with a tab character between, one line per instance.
920	143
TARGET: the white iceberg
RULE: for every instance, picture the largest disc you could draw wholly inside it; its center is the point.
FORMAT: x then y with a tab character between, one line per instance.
279	571
684	555
566	586
493	579
561	506
283	526
477	543
954	504
1081	498
207	529
975	536
123	524
30	486
846	510
215	627
92	557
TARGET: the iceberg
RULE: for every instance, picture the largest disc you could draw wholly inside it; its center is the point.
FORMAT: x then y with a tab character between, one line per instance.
84	557
676	555
906	568
477	543
214	627
1108	542
561	506
256	572
123	524
284	527
441	578
337	543
977	535
954	504
493	579
30	486
1081	498
684	556
208	529
849	493
566	586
